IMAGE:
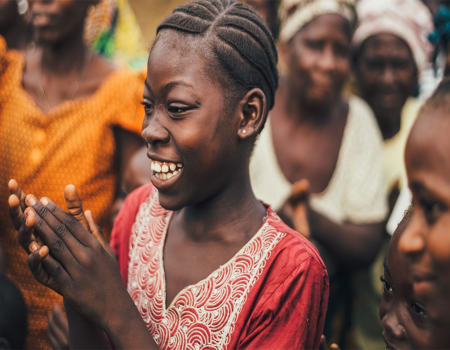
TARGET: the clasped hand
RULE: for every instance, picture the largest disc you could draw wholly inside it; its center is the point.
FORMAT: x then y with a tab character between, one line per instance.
68	253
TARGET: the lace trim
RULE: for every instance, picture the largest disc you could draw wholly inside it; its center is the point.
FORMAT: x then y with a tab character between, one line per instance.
202	316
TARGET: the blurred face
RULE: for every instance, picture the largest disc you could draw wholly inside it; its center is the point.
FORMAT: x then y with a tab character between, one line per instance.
55	20
405	321
192	141
386	74
318	59
426	241
8	14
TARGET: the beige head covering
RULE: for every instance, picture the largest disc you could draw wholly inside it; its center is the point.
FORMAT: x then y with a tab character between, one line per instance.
410	20
295	14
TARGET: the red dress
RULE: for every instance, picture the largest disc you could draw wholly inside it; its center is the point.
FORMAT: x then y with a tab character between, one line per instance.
271	295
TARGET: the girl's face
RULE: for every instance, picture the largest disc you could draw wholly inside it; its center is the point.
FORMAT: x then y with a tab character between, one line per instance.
386	74
426	241
55	20
318	59
405	321
192	139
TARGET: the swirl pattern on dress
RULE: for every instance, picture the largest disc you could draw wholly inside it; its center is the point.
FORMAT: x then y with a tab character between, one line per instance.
203	315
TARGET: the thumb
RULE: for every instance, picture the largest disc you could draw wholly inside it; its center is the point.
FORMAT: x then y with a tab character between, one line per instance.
74	205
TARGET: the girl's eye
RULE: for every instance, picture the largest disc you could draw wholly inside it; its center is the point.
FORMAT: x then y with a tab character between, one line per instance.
431	210
418	309
148	107
386	285
177	109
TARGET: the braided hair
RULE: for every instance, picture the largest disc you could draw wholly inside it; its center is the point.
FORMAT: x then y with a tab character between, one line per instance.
239	40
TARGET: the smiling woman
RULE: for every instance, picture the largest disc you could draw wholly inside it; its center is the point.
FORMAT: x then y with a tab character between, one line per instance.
206	264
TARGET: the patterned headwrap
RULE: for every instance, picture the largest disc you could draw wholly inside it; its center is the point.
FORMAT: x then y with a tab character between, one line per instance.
295	14
112	31
410	20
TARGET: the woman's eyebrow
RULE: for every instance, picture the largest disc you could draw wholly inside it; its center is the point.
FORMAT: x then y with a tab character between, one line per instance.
172	84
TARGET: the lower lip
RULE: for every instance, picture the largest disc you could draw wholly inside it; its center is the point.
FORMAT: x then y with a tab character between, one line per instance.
388	345
164	184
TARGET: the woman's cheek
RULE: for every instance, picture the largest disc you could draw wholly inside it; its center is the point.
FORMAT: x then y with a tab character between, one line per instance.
439	243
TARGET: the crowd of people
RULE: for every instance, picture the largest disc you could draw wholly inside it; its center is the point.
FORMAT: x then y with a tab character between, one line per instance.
271	174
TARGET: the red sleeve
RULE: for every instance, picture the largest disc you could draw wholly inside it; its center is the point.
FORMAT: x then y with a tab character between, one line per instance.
294	315
120	236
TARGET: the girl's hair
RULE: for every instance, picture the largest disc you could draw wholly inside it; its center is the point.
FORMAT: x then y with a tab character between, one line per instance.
241	43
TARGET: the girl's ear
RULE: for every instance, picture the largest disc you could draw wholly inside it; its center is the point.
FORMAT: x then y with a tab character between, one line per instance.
252	114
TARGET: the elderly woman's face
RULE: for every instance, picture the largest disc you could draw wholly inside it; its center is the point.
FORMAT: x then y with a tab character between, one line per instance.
386	74
318	59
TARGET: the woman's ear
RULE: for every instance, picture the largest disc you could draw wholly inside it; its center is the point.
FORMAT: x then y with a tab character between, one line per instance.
252	114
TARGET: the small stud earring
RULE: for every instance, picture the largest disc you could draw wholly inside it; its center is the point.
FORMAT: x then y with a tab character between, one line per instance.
244	131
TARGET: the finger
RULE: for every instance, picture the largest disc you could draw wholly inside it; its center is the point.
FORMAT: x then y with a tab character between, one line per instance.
300	220
334	347
16	190
300	192
74	205
95	229
15	211
58	333
25	235
60	319
70	223
323	343
51	338
43	265
57	246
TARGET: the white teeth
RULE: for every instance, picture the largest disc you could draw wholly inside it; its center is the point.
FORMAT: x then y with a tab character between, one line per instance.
165	171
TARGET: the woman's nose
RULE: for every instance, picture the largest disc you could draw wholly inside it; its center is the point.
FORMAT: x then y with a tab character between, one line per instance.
392	327
153	132
412	241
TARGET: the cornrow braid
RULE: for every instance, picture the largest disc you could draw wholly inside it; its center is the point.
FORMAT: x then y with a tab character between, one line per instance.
240	40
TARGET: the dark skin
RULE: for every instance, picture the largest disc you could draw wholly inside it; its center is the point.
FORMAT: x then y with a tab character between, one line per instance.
404	318
58	29
386	76
434	5
213	203
308	123
13	28
426	240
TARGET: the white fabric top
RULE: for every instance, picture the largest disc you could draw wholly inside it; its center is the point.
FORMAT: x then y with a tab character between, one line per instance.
356	193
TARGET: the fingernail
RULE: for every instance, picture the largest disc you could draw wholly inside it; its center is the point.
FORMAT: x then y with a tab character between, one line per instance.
31	200
33	247
44	201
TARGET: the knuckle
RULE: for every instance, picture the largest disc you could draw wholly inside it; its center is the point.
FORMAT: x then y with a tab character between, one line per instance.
61	230
42	211
71	221
58	245
56	271
39	222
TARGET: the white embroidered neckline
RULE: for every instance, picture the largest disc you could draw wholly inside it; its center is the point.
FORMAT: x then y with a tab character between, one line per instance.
201	315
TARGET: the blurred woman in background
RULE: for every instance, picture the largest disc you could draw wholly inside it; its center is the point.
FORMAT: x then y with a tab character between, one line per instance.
316	133
391	49
65	115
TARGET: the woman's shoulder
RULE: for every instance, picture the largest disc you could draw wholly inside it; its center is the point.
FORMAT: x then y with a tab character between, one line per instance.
294	249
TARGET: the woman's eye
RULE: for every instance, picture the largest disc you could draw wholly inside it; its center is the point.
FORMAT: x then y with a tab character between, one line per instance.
431	210
386	285
315	45
148	107
177	110
419	309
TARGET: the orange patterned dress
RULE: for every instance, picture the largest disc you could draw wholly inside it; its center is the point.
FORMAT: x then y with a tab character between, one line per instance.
71	144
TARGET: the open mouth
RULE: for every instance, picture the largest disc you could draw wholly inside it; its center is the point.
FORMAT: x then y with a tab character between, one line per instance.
166	170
